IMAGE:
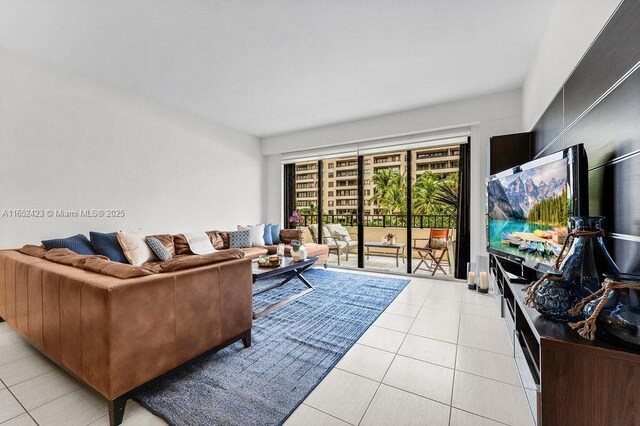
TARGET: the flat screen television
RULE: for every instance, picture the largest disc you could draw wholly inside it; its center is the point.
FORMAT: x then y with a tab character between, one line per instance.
529	207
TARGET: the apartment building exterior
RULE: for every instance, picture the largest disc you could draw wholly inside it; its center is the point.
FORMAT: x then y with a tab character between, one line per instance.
340	176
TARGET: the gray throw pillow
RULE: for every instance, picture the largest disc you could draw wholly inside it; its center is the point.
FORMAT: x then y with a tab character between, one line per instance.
240	239
158	248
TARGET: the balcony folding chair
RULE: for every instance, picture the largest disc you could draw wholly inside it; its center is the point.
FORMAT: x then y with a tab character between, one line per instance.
432	255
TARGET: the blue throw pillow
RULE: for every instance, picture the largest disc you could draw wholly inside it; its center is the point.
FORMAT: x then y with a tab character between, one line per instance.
158	248
240	239
78	244
268	239
107	245
275	233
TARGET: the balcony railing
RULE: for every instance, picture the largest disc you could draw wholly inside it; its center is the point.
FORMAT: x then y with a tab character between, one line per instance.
384	220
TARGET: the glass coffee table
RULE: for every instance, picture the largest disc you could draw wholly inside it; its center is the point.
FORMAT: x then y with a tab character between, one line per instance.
286	272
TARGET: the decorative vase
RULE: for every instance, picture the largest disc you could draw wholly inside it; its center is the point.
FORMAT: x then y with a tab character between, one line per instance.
580	273
620	316
303	253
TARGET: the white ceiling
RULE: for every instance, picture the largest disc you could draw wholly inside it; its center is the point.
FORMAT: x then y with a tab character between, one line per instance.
273	66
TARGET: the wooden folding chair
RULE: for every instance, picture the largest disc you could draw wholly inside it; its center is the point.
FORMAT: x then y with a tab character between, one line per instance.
432	257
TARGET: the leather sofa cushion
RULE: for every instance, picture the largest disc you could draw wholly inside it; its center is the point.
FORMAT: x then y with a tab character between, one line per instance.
33	250
254	252
186	262
96	263
219	239
181	245
288	235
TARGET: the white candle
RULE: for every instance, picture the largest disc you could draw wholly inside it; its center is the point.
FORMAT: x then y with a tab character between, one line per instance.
471	278
484	282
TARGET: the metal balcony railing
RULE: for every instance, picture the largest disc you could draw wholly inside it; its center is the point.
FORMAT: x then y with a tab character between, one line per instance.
384	220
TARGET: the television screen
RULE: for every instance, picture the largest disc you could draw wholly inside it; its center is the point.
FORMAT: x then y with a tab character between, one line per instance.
529	207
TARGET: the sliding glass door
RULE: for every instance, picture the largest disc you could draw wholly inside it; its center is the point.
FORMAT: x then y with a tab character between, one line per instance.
393	211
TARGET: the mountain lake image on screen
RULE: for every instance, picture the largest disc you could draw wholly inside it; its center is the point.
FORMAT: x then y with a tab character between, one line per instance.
528	212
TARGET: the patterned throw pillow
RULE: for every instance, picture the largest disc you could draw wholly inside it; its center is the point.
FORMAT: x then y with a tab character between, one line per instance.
107	245
257	234
78	244
158	248
240	239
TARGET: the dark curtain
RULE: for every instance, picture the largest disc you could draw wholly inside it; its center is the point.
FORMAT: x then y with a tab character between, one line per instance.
463	240
289	192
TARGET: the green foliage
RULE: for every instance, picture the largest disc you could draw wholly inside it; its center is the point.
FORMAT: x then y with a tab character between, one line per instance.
552	211
431	194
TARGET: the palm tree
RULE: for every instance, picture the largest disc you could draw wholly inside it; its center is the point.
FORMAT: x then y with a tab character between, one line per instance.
389	192
423	191
446	195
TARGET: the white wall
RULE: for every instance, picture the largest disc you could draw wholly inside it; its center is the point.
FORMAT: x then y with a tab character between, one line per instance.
486	115
67	142
572	27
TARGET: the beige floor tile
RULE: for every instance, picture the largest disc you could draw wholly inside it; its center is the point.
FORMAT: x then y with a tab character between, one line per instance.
486	340
44	388
309	416
366	361
134	415
343	395
14	348
476	298
481	310
487	364
392	406
5	328
25	369
422	378
394	322
479	395
446	292
382	338
433	330
462	418
22	420
442	304
438	316
404	309
476	322
9	406
410	298
429	350
80	407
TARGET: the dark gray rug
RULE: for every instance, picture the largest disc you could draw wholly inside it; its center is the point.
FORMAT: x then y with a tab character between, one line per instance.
293	349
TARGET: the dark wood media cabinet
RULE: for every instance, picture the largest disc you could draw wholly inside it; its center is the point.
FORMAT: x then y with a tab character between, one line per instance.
568	380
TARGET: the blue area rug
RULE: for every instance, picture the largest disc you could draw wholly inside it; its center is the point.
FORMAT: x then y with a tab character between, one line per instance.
293	349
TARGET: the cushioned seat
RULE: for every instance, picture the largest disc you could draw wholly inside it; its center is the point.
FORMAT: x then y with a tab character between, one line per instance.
254	252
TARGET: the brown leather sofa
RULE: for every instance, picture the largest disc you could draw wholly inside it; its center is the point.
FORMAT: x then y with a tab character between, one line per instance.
117	334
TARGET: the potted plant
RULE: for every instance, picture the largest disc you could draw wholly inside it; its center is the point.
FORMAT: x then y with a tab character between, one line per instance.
390	238
294	220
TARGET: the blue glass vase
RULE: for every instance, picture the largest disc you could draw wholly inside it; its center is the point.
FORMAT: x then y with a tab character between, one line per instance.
582	270
620	316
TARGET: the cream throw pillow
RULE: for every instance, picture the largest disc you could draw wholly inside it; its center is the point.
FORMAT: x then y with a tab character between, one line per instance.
257	234
199	242
135	247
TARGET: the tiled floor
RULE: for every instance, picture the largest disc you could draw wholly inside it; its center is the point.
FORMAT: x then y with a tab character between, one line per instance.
439	355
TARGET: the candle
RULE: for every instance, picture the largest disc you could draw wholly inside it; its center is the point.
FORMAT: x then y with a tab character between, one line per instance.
471	281
484	283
